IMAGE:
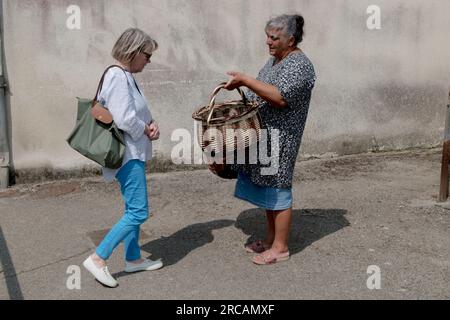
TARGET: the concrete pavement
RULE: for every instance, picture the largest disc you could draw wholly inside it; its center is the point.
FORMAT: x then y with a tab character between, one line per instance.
355	218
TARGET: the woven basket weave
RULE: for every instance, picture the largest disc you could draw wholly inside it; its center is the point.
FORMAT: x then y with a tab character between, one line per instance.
238	123
239	115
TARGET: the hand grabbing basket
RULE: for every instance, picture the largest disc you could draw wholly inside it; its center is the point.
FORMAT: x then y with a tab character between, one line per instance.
226	128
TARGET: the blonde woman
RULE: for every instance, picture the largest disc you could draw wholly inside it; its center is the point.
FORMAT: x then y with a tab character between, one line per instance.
123	98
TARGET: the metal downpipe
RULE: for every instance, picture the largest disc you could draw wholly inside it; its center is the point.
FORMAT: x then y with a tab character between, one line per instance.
5	158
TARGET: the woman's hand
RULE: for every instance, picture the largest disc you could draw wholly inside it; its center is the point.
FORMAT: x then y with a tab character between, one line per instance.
237	80
266	91
152	131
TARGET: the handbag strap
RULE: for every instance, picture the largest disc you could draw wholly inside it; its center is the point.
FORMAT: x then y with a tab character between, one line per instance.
135	83
100	85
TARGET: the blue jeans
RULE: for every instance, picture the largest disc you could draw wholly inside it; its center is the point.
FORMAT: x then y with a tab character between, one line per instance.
133	185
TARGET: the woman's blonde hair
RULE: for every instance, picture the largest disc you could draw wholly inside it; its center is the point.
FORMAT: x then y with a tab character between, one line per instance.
132	42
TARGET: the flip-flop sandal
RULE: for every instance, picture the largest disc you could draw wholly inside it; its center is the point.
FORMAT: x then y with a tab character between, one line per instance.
265	259
256	247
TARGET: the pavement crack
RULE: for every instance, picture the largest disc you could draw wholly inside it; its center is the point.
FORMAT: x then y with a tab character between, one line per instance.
12	275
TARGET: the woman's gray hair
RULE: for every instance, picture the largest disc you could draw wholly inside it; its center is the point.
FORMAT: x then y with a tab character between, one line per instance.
132	42
290	25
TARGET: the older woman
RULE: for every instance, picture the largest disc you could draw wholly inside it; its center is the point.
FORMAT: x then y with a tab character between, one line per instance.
283	89
129	108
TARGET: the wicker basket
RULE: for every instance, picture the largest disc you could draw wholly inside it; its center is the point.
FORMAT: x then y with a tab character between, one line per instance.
238	123
232	115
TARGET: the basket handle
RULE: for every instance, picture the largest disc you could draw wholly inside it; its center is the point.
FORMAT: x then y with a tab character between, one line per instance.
214	96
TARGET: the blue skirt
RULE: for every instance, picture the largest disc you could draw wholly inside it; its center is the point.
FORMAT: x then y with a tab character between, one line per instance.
264	197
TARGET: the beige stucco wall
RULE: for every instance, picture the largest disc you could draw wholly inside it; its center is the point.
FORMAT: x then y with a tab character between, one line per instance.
376	89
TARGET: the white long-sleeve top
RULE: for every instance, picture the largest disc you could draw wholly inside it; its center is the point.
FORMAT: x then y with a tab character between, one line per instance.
130	112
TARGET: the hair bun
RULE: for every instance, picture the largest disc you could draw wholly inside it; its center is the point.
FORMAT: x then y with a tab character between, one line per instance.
300	21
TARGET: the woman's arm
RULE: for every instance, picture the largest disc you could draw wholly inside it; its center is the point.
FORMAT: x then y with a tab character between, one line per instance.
266	91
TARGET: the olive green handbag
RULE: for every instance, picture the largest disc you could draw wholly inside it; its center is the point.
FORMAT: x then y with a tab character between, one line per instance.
95	135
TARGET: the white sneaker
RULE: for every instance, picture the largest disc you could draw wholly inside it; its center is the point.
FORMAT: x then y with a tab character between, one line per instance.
147	265
101	274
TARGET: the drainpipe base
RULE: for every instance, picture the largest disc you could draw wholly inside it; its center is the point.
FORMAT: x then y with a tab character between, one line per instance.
4	178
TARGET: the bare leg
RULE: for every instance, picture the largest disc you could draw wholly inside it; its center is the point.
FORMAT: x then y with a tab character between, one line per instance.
270	228
283	220
137	261
99	262
280	251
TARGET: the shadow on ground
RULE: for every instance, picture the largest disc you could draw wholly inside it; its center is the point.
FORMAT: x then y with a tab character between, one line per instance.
8	270
175	247
308	225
